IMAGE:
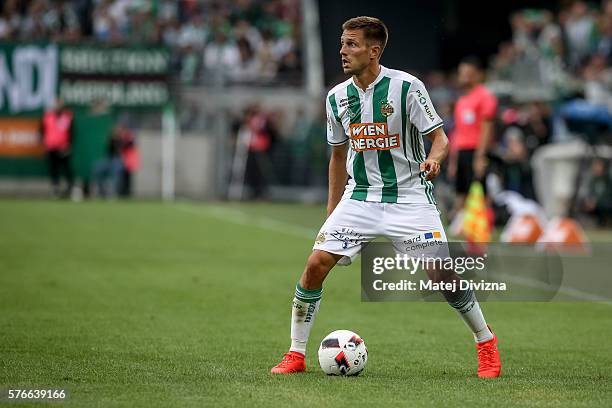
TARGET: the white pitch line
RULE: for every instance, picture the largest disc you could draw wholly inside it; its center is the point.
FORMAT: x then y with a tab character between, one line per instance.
564	290
241	218
270	224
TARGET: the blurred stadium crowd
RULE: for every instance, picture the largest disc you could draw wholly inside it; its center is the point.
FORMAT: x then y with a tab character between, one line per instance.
552	79
212	42
553	83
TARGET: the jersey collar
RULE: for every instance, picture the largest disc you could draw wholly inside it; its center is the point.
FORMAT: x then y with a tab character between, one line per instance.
380	76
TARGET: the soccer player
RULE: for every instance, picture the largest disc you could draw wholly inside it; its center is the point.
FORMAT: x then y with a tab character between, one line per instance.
375	123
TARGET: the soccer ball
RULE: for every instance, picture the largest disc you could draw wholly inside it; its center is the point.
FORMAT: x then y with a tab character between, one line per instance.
343	352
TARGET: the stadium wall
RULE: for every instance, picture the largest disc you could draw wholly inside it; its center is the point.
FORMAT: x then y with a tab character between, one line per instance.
194	170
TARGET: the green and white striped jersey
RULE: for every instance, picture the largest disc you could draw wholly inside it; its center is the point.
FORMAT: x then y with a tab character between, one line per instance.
384	126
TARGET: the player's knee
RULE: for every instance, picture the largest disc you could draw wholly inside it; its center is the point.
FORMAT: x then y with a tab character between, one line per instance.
317	268
316	265
441	275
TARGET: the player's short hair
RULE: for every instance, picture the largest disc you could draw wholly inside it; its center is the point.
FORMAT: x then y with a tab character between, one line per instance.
374	30
473	61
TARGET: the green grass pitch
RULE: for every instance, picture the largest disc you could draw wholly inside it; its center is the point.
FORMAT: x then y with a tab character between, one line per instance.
150	304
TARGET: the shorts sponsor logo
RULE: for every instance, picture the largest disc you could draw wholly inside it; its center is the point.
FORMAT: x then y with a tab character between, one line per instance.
372	136
426	236
432	235
347	236
413	240
423	241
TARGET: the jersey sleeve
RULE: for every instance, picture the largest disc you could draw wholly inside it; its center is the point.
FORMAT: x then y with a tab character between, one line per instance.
488	106
422	112
335	131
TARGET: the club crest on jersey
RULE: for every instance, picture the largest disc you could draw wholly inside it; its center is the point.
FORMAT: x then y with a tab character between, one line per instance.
372	136
386	109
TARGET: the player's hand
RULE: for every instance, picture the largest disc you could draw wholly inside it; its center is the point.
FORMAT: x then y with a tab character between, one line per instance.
480	165
431	168
451	170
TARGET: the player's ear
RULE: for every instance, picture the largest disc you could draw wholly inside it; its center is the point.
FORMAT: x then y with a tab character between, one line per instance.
375	51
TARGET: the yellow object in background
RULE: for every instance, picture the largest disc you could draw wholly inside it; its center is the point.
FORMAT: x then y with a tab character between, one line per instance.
476	226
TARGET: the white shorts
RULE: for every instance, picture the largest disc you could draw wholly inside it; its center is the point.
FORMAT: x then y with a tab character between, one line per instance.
414	229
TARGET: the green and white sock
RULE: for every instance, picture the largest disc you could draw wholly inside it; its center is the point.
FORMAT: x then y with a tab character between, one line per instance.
469	309
305	307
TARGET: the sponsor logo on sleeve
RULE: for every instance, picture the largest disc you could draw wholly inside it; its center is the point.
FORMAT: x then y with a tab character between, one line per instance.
423	101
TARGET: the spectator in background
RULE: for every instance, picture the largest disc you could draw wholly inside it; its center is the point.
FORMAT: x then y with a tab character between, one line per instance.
502	64
120	162
246	68
598	82
263	135
191	40
591	117
221	56
243	30
57	138
271	27
62	21
170	38
604	45
598	200
538	125
266	60
473	133
33	25
516	169
131	161
103	23
143	27
119	12
581	32
10	20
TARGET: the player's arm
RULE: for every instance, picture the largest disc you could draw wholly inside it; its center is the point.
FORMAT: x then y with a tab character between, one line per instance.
424	116
486	140
337	176
437	154
487	107
338	140
486	137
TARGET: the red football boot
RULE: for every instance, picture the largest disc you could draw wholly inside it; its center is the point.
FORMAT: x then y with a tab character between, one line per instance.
489	364
293	362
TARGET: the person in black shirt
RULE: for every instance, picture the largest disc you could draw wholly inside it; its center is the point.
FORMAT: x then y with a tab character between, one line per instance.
111	167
